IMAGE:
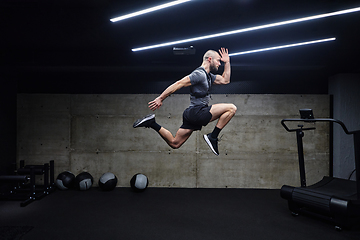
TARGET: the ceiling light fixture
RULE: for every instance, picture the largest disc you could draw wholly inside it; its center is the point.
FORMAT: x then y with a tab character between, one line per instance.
283	46
166	5
249	29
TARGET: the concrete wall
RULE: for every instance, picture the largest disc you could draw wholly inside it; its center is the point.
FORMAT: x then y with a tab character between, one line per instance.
345	89
94	133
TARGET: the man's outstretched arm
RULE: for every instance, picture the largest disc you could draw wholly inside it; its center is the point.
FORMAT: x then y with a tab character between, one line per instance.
157	102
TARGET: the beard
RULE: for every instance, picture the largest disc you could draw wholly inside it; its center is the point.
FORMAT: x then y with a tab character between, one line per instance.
213	68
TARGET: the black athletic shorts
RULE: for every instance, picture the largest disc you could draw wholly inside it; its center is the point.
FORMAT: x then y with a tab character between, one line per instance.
196	117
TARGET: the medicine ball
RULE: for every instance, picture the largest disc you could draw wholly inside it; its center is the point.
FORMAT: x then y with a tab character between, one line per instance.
139	182
84	181
65	180
107	181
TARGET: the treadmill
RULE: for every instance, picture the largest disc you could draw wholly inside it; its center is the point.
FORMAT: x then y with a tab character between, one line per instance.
334	199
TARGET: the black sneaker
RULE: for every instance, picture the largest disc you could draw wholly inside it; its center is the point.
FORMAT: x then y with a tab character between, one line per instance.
212	142
145	121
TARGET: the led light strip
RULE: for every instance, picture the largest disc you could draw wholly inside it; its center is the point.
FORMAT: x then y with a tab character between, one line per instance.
283	46
166	5
249	29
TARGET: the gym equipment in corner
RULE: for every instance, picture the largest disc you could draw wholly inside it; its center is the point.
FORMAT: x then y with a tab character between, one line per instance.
334	199
23	186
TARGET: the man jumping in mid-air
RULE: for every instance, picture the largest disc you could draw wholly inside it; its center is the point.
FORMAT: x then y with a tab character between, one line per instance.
199	113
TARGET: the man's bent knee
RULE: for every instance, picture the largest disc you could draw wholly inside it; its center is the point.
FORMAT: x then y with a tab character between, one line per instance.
233	108
175	145
177	142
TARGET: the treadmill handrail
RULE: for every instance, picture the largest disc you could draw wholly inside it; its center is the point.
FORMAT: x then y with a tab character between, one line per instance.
314	120
356	137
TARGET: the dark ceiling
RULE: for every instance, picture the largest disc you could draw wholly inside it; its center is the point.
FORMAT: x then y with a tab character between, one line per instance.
77	36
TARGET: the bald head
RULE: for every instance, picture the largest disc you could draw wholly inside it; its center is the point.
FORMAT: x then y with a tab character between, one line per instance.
210	53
